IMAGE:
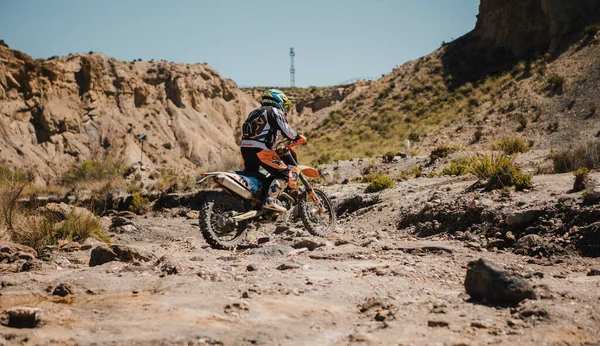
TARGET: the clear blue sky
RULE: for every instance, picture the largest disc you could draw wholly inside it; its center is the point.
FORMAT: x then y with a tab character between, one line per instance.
245	40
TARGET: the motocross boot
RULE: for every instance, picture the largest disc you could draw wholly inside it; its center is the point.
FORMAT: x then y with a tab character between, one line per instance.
275	189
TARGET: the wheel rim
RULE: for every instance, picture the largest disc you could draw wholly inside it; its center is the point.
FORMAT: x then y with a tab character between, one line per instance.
317	218
221	219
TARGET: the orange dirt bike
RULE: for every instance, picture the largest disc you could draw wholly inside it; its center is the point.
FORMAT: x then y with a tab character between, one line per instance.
225	214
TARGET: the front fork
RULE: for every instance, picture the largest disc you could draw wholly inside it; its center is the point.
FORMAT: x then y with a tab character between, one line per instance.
311	193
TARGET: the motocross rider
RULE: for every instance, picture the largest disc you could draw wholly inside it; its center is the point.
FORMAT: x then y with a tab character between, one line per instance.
260	132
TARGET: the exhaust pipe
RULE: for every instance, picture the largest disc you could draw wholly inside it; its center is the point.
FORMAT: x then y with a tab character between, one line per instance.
233	186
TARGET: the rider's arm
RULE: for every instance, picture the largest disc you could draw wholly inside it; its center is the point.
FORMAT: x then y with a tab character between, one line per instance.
284	126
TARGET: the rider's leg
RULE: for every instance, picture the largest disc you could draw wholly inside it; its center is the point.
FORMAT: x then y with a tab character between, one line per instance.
279	171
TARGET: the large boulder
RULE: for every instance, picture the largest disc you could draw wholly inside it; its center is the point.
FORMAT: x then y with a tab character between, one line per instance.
485	280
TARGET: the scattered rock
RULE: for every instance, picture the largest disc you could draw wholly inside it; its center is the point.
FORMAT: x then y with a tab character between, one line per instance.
522	218
354	203
480	325
121	221
437	324
21	317
592	198
338	239
124	229
273	250
263	240
252	267
167	265
529	244
281	229
510	238
60	211
62	290
106	253
485	280
594	272
381	309
287	266
309	243
62	262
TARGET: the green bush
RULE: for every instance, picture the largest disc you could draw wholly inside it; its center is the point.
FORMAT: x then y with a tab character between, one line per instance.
93	170
139	204
413	171
456	169
378	182
168	146
500	171
583	156
511	145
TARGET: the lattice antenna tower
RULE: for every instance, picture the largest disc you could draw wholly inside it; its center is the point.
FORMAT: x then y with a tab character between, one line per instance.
292	69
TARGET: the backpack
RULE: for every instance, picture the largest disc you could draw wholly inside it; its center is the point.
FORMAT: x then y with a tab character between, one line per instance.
252	124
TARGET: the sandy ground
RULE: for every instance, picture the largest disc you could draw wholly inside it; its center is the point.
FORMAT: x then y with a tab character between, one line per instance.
368	283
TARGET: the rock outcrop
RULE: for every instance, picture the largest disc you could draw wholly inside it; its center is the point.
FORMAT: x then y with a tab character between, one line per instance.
526	26
61	111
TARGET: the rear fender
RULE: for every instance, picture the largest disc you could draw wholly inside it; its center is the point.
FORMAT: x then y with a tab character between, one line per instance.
205	176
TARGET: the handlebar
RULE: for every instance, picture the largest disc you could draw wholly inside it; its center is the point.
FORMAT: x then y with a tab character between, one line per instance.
288	143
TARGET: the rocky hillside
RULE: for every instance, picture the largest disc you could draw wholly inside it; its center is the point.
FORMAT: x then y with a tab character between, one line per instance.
313	104
59	112
528	66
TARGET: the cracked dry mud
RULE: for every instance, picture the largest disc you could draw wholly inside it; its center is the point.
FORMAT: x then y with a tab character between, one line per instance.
368	283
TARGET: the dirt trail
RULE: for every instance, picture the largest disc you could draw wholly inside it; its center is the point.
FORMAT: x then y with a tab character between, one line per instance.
369	283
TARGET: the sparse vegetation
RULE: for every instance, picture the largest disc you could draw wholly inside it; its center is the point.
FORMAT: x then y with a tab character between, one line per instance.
580	177
511	145
456	169
378	182
556	83
443	151
169	180
168	146
413	171
28	227
499	171
583	156
93	170
139	204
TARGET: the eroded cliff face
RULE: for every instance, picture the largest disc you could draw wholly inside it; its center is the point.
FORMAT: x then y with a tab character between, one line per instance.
528	26
61	111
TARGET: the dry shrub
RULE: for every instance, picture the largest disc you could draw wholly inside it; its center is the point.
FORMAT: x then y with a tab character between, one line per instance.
456	169
584	156
581	176
443	151
413	171
30	228
139	204
511	145
500	171
93	170
169	180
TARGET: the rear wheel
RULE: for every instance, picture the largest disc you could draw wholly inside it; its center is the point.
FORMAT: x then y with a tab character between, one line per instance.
216	220
316	221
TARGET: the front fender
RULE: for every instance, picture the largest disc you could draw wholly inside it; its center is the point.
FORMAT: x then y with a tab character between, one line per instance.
309	171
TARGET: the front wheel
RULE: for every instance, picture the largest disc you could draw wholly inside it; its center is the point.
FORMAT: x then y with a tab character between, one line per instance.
216	220
317	219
